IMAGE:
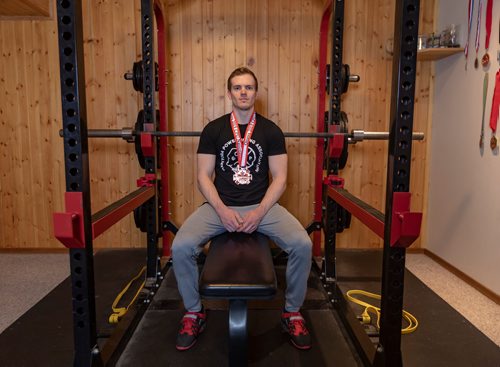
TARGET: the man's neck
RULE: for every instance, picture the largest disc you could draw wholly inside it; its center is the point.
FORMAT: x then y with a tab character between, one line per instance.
243	116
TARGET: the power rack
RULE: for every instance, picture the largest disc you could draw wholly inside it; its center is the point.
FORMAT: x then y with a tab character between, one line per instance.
77	227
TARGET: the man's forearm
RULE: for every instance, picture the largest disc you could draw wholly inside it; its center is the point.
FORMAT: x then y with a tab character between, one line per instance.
208	190
273	194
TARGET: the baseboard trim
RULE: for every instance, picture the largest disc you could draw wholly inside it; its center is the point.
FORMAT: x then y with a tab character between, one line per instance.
33	250
467	279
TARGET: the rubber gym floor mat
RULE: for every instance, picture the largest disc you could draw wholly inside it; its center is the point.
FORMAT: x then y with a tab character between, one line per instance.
154	339
153	343
443	338
43	336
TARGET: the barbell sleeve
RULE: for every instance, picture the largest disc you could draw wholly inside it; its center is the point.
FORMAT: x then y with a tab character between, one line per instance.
354	78
360	135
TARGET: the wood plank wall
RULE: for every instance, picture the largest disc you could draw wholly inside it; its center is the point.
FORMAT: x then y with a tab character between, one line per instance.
27	9
207	39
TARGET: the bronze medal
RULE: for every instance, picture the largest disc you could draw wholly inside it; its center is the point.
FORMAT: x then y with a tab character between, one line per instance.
476	63
485	61
493	142
242	176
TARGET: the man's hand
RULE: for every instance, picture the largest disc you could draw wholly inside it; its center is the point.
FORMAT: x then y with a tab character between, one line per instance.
252	220
231	219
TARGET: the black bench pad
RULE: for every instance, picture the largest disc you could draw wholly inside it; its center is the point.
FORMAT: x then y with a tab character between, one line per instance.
239	266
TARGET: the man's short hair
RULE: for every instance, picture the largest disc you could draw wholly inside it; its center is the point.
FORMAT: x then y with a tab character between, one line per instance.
242	71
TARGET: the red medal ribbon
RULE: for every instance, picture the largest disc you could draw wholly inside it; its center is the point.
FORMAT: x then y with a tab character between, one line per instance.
242	148
489	16
478	27
471	10
495	106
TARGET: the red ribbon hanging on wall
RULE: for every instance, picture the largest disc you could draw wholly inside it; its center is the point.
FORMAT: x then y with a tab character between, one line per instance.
495	106
489	17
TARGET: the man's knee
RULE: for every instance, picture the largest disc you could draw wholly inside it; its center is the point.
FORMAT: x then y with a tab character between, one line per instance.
184	245
303	244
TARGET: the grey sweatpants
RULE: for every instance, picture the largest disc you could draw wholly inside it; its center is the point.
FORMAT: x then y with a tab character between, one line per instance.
281	226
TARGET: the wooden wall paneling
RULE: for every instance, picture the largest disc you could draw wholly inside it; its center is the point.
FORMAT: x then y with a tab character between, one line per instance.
207	39
240	39
187	105
291	87
282	16
258	41
230	61
9	98
308	81
36	200
251	42
220	76
274	62
367	27
25	9
106	117
208	61
109	39
7	194
99	109
23	173
197	76
283	101
29	73
174	107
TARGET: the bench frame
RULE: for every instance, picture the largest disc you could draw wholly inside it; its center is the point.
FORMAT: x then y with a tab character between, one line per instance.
238	267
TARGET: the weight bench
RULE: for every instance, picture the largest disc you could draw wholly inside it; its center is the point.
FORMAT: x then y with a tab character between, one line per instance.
238	267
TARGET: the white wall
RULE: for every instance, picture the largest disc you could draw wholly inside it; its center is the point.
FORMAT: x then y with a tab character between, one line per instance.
464	187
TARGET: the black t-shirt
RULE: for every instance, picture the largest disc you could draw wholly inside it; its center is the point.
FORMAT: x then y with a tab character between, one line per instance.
217	139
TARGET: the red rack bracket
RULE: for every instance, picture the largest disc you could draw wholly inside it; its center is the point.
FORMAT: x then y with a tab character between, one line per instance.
336	144
334	181
405	227
147	181
147	144
68	226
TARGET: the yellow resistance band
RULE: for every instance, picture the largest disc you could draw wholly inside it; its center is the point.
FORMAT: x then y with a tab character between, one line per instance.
412	320
119	312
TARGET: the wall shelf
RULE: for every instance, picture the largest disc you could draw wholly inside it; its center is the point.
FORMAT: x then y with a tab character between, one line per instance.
430	54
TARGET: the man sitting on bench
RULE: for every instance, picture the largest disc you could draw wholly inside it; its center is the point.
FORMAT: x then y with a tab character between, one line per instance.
240	149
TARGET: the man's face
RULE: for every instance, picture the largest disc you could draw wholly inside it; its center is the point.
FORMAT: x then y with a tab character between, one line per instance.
242	92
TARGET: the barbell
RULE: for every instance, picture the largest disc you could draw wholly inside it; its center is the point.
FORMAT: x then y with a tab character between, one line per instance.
129	134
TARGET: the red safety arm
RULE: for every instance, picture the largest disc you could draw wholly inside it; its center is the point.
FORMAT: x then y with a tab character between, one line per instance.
405	226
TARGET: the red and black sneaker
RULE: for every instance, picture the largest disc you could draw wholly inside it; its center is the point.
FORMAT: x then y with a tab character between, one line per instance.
192	325
295	325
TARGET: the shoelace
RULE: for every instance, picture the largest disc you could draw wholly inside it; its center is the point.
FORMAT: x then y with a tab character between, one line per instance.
190	323
296	323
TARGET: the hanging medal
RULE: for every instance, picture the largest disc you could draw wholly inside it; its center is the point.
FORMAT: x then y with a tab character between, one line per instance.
495	106
485	61
478	33
485	93
242	175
